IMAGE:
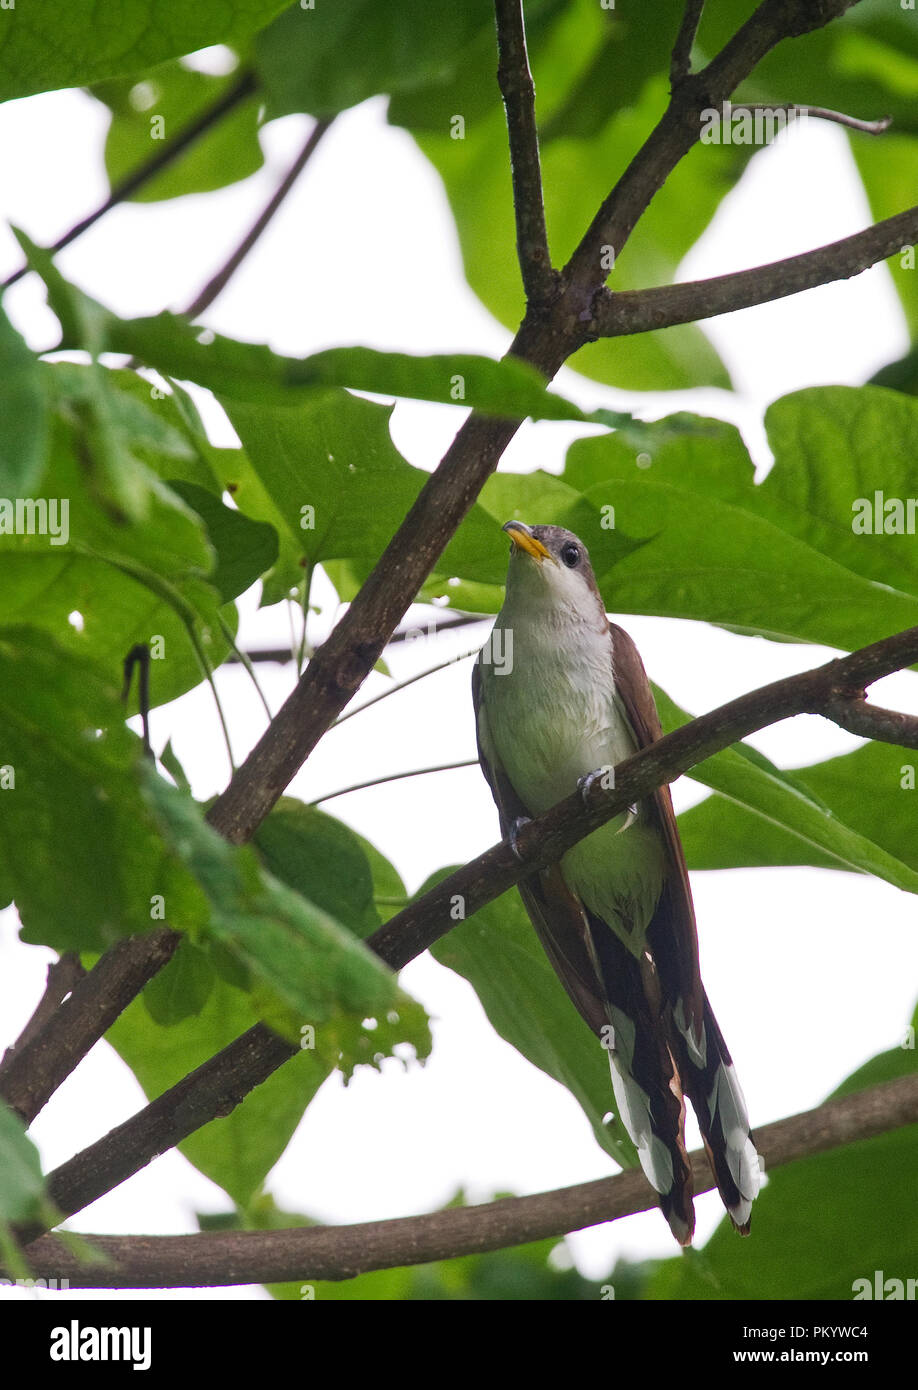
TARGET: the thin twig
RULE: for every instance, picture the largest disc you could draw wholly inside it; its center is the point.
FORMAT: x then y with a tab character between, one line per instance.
680	64
308	1253
219	281
244	86
394	776
517	89
821	113
401	685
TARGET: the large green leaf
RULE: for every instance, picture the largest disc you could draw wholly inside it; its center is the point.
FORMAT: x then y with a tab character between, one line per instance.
791	807
498	952
98	579
165	102
822	1225
238	1151
778	560
71	43
307	969
79	850
327	475
388	48
871	791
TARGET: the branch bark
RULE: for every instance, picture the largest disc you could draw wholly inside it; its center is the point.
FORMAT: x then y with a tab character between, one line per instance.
341	1252
639	311
515	81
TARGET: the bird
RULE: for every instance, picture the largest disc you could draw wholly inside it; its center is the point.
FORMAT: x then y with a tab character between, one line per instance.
561	697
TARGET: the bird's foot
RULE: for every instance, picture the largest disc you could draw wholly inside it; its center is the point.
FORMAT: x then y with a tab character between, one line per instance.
513	834
605	776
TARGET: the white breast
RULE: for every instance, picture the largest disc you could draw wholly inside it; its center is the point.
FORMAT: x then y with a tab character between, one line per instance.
550	714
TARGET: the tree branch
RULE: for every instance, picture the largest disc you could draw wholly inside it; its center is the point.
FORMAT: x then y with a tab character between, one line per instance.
870	721
681	61
221	1083
341	1252
63	974
639	311
33	1072
515	81
821	113
245	84
679	128
219	281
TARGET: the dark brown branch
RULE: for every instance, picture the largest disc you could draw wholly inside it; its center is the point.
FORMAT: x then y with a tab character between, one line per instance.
62	975
34	1071
341	1252
870	721
515	81
220	1083
243	87
640	311
219	281
680	127
681	61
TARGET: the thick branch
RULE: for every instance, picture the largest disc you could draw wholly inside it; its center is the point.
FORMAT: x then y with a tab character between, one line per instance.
222	1082
341	1252
32	1073
639	311
516	86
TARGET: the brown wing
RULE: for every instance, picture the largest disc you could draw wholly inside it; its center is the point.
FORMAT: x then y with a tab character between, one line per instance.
672	935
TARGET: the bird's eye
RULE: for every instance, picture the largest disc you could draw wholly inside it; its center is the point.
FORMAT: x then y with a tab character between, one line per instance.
570	554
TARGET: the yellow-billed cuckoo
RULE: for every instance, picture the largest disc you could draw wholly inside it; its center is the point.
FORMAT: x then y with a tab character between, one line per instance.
561	694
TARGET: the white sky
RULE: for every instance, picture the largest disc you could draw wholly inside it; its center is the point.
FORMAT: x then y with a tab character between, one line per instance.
810	972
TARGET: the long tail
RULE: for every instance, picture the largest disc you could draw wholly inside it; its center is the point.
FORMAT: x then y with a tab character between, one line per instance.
643	1050
710	1082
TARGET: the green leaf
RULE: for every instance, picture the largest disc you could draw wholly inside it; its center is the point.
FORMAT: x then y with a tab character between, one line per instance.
72	43
95	866
99	581
251	371
789	806
160	106
327	475
22	1185
310	971
498	952
388	48
321	858
870	791
181	989
777	560
244	548
238	1151
23	414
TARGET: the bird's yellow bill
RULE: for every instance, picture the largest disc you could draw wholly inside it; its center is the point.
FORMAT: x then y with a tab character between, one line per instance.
524	541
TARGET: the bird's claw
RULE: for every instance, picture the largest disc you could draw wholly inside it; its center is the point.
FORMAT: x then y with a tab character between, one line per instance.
513	834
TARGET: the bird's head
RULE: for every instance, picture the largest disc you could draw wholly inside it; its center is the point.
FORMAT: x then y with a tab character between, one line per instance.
550	568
